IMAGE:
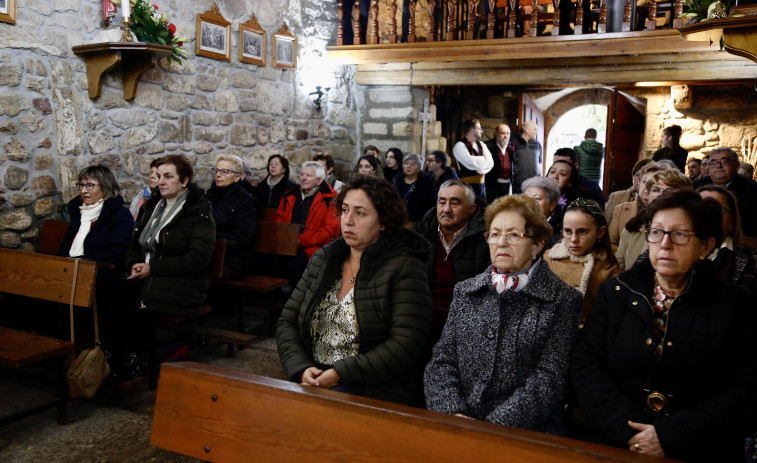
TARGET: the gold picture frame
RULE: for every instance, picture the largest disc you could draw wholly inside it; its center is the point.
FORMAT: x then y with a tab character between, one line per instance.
213	35
284	49
252	42
8	11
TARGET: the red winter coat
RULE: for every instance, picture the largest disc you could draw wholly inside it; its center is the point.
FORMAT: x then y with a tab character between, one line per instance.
322	225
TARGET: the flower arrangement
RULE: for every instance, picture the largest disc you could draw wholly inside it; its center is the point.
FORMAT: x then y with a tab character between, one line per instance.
150	26
698	10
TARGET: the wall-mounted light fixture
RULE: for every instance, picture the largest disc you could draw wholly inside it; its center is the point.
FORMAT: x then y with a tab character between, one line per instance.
318	95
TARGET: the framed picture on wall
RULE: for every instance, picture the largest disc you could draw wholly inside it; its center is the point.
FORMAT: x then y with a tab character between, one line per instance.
284	49
252	42
8	11
213	35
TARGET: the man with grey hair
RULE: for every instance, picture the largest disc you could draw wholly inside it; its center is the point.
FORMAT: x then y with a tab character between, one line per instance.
455	229
311	204
528	156
724	171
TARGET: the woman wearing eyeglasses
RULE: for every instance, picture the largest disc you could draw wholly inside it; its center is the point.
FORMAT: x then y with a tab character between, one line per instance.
234	214
503	354
583	258
666	363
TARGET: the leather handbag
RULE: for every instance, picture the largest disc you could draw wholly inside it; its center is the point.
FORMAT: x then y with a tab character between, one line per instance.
90	368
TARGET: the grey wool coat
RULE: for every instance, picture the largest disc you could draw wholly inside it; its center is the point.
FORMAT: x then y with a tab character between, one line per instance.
505	358
393	307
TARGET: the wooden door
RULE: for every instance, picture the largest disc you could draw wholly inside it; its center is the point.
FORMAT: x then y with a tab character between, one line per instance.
528	111
625	134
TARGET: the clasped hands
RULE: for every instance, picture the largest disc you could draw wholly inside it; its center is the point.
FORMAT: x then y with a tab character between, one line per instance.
313	376
139	270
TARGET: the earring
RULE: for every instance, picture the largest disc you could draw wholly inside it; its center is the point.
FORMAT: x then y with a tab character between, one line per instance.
533	258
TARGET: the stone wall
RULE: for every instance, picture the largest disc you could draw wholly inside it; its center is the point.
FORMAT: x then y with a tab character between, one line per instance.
50	128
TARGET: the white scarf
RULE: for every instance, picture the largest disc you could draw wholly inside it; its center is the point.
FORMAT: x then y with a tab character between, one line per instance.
88	215
560	251
511	281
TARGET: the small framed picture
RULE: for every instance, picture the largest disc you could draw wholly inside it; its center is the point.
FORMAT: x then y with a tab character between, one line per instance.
252	42
8	11
284	49
213	35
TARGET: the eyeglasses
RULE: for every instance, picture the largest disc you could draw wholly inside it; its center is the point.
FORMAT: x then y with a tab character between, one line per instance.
87	186
656	235
581	232
719	162
510	237
657	191
223	172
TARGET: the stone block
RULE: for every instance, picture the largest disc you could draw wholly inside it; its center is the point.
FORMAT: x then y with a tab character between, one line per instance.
8	127
343	116
68	174
10	76
130	188
178	103
202	147
12	104
226	101
68	120
155	148
43	207
100	141
43	161
16	220
10	240
318	129
138	136
732	136
19	200
243	135
45	143
341	151
247	101
32	234
15	177
168	132
212	135
495	106
207	83
227	119
278	133
262	135
273	97
692	142
33	122
40	6
16	151
110	100
178	84
96	121
112	161
682	96
44	185
201	102
390	95
710	125
149	96
144	165
242	79
65	5
375	128
291	133
204	118
391	113
299	156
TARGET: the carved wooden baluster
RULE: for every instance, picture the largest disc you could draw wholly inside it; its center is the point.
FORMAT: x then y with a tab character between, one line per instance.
602	26
678	11
626	26
534	18
431	27
451	19
652	18
374	29
340	26
491	19
556	17
512	19
355	16
411	22
579	26
393	23
469	32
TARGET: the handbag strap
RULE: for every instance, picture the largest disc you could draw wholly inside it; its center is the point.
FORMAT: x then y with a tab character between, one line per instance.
73	295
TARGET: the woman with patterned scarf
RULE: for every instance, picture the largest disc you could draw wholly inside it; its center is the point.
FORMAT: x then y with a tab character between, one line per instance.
504	353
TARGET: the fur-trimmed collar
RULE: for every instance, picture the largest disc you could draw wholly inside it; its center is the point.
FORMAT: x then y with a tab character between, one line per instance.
560	251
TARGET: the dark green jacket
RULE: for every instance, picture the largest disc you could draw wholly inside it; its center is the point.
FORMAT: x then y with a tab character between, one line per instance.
590	153
178	279
393	306
470	257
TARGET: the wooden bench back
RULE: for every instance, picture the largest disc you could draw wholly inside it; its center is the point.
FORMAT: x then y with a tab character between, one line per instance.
268	214
51	236
276	238
222	415
46	277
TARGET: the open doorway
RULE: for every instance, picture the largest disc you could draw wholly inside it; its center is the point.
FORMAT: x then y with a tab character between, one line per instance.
569	130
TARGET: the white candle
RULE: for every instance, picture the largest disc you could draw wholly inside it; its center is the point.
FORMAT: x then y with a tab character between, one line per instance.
743	146
125	9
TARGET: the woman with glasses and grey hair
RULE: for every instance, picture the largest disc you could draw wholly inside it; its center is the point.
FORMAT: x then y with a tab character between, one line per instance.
503	355
665	365
415	187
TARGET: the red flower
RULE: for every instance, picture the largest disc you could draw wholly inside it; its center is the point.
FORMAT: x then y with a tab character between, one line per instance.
181	44
155	6
171	29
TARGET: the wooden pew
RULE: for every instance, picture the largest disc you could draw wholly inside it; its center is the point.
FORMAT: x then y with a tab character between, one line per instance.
221	415
49	278
51	236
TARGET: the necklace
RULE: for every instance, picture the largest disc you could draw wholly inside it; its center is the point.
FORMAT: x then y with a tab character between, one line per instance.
352	279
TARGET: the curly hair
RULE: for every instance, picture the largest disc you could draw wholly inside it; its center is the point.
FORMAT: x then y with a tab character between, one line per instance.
384	197
537	226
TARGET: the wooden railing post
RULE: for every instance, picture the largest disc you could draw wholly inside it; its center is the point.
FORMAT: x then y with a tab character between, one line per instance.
677	12
470	32
431	27
411	22
451	4
652	17
578	28
556	17
602	26
393	23
355	16
534	19
340	26
626	27
512	19
491	19
374	29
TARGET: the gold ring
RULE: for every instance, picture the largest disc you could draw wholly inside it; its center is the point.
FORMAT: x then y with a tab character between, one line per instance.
636	446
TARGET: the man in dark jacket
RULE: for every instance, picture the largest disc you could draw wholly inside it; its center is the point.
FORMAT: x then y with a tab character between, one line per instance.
529	157
499	179
590	153
436	164
456	232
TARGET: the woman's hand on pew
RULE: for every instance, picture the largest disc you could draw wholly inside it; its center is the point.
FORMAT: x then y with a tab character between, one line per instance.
315	377
646	441
309	376
139	270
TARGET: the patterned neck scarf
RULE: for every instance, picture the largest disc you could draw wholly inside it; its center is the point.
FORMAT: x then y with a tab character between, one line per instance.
511	281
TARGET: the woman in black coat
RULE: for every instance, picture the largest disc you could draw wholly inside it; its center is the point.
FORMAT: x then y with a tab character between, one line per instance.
415	187
666	365
272	188
671	148
234	214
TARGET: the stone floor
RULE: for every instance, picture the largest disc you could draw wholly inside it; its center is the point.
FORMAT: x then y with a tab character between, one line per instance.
112	427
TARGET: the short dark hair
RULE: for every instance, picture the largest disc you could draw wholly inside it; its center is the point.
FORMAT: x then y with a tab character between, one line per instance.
639	164
591	133
371	148
329	159
398	154
284	162
183	167
567	152
697	160
384	197
706	216
441	157
574	176
673	131
470	124
104	176
370	159
731	153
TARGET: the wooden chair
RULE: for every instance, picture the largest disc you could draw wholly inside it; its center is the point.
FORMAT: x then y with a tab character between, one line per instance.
49	278
271	238
268	214
51	236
